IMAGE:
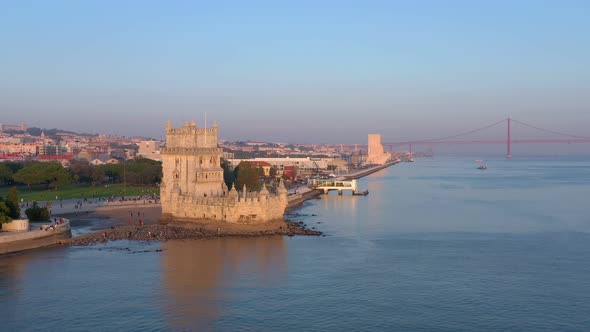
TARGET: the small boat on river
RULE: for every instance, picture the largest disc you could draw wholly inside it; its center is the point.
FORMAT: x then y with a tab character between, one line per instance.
481	166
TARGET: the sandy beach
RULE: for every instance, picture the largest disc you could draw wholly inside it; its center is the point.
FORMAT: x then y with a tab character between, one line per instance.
130	215
150	214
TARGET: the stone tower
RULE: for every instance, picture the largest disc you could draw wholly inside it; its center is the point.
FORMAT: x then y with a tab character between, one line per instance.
193	188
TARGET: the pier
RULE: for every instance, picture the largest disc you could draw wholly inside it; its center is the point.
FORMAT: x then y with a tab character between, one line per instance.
367	171
348	181
335	184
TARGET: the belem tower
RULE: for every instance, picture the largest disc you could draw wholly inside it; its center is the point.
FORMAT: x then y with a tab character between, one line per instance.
193	188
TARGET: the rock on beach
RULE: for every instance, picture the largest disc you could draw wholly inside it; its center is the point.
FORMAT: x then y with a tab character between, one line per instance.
162	232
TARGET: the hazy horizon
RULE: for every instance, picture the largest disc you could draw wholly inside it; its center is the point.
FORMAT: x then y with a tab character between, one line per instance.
298	72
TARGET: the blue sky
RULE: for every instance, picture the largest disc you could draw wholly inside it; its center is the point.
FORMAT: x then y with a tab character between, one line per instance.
301	71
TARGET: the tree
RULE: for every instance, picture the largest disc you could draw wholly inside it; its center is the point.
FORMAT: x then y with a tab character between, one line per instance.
273	172
14	166
228	173
247	174
51	174
5	173
81	171
113	171
28	175
57	176
97	176
12	203
143	171
37	213
4	212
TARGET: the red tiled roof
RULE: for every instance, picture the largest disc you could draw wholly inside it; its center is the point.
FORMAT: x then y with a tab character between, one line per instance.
11	156
260	163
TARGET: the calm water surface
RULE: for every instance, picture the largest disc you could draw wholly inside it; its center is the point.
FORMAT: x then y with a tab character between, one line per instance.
436	246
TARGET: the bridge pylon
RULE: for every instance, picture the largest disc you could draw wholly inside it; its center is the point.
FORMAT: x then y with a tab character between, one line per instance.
508	153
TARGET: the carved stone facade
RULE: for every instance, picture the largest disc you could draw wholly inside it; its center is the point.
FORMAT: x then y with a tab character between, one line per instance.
192	185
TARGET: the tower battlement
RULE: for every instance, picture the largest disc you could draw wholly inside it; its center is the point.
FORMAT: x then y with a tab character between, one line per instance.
190	136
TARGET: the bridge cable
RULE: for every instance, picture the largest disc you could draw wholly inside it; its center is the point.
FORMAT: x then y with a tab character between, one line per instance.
549	131
460	134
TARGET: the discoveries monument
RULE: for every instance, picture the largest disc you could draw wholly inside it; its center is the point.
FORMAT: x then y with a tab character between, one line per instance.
193	188
376	156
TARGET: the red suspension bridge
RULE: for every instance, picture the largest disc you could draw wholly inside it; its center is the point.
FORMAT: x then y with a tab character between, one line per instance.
508	141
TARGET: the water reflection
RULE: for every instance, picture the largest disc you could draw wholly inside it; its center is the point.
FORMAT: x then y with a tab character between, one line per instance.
334	201
12	271
15	271
200	276
378	201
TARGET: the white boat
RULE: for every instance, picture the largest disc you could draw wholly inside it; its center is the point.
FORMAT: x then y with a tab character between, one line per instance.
482	166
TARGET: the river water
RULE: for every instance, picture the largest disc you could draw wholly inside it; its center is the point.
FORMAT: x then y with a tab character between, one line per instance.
437	245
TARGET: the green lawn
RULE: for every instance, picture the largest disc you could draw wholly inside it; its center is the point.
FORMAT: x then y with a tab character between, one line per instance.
40	193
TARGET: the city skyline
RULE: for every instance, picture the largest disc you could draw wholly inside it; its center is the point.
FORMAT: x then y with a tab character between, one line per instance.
295	72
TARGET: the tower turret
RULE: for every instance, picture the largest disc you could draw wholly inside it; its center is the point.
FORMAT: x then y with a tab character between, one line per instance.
233	193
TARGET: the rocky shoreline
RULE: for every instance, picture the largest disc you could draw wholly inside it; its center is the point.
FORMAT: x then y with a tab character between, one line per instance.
162	232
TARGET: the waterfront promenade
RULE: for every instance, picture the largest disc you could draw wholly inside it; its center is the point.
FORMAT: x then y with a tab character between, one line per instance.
368	171
79	206
130	212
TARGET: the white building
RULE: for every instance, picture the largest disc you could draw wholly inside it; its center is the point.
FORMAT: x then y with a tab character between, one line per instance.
304	165
149	150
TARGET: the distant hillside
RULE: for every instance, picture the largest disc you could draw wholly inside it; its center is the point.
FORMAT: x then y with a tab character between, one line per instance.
34	131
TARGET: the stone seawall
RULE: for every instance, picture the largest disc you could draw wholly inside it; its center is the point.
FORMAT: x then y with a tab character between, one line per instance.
295	200
368	171
47	235
33	243
163	232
